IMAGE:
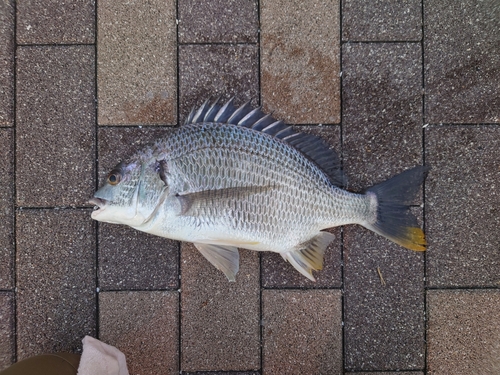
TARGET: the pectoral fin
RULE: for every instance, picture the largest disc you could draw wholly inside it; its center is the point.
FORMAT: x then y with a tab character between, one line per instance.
193	204
309	255
224	258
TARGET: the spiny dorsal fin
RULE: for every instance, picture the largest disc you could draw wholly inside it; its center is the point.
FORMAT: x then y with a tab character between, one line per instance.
314	148
309	256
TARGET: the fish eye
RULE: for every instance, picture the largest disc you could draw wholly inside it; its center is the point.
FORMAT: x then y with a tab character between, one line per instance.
114	177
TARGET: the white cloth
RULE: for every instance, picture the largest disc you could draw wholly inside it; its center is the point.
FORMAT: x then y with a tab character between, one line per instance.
99	358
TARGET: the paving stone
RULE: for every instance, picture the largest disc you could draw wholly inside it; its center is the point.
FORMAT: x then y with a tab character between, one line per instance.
387	373
144	326
55	297
300	49
220	327
55	125
211	71
462	56
382	114
141	261
119	143
222	373
463	332
54	21
220	21
6	208
129	259
462	206
136	62
7	63
276	272
6	329
302	331
383	304
382	20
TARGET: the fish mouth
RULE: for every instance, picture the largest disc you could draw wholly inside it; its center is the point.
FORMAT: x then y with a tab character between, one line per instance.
99	205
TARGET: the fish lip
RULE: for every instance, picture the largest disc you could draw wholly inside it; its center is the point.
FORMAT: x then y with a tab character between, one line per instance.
99	202
99	205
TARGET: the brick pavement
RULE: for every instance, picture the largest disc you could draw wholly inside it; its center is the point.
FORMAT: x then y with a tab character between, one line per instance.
389	84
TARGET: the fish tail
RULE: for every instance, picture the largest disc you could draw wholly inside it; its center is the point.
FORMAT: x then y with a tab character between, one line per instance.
391	201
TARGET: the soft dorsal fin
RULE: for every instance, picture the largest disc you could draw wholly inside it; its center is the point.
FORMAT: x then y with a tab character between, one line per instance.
314	148
309	256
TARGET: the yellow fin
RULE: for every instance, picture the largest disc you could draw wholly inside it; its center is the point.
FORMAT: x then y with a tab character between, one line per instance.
414	239
309	255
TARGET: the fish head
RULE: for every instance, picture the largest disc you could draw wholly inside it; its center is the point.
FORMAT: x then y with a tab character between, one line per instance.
130	194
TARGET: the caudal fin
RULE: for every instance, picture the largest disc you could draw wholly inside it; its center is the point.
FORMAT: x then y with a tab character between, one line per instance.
393	200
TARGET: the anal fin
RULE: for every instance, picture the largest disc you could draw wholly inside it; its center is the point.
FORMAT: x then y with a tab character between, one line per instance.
309	255
224	258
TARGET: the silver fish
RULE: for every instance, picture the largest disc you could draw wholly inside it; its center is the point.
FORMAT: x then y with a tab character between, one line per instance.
235	177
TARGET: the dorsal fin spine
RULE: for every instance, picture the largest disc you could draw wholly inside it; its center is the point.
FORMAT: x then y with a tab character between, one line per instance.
314	148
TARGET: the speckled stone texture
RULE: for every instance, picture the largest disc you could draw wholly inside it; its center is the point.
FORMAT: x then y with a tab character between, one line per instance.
131	260
381	20
222	373
54	21
300	67
277	273
382	113
211	71
55	125
383	304
463	332
6	208
302	332
6	329
462	206
136	62
144	326
462	56
7	63
56	302
220	327
387	373
219	21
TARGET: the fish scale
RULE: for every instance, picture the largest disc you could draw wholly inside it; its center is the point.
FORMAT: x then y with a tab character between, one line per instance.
235	177
296	183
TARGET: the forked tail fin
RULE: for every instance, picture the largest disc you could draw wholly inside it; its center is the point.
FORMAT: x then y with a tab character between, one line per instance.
392	199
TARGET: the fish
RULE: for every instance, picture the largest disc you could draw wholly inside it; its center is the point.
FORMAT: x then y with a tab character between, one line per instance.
235	177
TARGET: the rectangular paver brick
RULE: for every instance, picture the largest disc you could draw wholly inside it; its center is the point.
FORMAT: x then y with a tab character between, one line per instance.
302	332
220	327
276	272
210	71
462	56
7	334
56	303
462	205
300	71
55	125
218	21
129	259
6	208
383	304
55	22
136	62
387	373
144	326
463	332
382	113
382	20
7	63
